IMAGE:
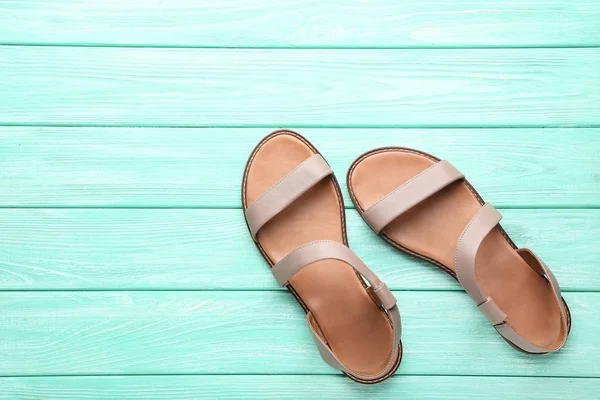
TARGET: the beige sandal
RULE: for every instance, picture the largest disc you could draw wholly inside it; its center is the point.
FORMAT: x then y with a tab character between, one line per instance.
295	213
425	207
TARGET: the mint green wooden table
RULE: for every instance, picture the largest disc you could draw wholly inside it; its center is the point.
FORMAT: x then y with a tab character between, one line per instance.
126	270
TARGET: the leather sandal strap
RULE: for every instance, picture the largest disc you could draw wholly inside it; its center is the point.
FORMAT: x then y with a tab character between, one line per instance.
297	182
410	193
466	250
319	250
541	268
464	263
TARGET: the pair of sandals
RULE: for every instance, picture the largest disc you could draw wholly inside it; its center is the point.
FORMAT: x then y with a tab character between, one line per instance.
420	205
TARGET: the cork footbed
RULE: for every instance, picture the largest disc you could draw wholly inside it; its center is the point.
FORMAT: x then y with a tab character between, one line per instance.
431	230
355	328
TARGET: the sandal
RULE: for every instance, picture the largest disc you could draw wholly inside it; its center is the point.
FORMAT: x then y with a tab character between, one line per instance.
295	213
425	207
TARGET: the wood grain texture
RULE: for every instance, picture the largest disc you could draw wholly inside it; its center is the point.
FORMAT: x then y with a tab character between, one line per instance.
151	167
294	387
276	23
124	130
237	87
90	333
103	249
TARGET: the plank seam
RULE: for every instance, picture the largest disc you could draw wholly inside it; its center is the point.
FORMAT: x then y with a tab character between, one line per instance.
397	376
225	207
266	126
577	291
295	126
234	47
451	289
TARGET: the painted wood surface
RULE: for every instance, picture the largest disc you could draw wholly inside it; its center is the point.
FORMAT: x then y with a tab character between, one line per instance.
121	249
150	167
302	87
314	23
236	332
293	387
125	268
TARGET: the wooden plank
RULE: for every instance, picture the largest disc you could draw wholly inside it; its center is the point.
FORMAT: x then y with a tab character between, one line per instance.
237	87
148	167
120	249
294	387
276	23
91	333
